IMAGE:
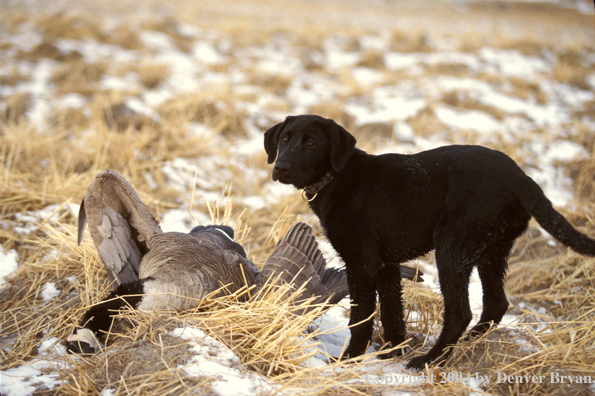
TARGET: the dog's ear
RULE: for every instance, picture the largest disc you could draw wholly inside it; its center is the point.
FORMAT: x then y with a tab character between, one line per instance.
342	145
271	138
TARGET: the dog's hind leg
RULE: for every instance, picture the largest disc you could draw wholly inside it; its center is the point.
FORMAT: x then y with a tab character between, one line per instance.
493	264
455	257
491	273
391	307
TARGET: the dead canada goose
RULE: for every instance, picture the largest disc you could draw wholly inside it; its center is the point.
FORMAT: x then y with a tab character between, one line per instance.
156	270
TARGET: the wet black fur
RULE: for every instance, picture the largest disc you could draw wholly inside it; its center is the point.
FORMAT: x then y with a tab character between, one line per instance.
469	203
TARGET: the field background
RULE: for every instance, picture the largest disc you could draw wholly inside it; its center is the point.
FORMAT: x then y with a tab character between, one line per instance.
176	96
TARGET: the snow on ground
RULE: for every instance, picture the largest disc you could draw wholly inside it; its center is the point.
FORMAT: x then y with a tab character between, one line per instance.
383	100
215	360
8	263
39	372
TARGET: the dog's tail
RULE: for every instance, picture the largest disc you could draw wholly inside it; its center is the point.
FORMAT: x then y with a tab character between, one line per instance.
539	206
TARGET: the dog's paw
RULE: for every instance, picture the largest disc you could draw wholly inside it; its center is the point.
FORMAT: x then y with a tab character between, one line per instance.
418	363
477	331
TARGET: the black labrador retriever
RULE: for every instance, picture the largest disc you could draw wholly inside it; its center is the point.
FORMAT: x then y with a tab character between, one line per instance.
469	203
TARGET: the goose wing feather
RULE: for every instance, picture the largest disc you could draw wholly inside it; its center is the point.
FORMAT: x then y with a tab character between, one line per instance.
121	226
297	260
413	274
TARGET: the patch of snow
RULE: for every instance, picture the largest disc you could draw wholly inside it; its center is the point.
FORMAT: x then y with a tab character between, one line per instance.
454	58
333	260
471	119
157	41
156	97
138	106
248	147
333	325
549	114
404	132
183	70
254	202
95	51
181	220
556	186
475	294
385	104
206	53
213	359
188	30
565	151
402	108
514	63
336	58
209	173
128	82
49	291
151	181
27	222
72	100
26	379
401	61
373	42
8	264
306	92
366	77
278	64
277	191
547	172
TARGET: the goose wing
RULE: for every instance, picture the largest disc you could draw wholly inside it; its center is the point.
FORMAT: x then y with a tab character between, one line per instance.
297	260
121	226
413	274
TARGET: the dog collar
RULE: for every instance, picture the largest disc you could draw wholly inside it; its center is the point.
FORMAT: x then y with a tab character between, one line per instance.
316	187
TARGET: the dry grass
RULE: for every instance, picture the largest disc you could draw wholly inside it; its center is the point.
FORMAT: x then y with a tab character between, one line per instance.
54	164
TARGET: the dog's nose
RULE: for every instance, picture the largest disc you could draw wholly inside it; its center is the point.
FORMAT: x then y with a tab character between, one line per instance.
282	167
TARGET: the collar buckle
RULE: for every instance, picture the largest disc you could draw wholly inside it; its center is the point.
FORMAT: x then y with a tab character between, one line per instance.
316	187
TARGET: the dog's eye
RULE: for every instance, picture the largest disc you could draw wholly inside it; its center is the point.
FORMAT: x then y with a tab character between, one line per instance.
310	143
284	139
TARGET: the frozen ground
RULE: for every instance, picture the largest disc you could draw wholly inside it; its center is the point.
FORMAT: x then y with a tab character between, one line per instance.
481	103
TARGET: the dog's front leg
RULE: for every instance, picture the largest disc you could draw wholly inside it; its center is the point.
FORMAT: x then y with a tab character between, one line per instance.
362	288
391	308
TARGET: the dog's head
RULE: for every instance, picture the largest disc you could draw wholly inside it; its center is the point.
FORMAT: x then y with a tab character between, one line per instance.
304	148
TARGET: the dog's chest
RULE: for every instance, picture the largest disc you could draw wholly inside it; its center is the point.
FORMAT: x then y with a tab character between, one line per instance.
356	232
